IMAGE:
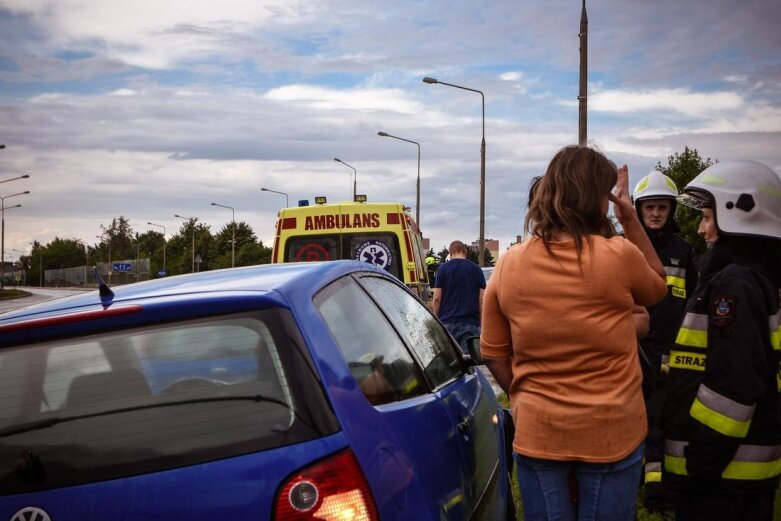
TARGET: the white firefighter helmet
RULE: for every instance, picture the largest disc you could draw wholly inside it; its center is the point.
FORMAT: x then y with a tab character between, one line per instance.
655	185
745	196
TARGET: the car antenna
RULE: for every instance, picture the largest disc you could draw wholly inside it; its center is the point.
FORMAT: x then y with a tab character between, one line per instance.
106	295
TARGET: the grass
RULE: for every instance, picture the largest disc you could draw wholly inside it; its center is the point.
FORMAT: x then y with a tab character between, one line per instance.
642	513
7	294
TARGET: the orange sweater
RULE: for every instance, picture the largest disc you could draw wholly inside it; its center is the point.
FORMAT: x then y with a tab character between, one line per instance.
575	391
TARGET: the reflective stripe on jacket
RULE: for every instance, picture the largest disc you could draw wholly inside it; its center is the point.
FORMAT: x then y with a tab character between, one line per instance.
677	257
722	412
750	462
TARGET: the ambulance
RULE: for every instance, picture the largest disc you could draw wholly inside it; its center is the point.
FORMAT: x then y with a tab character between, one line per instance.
383	234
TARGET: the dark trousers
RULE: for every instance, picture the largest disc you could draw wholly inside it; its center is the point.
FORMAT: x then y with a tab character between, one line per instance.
656	494
705	507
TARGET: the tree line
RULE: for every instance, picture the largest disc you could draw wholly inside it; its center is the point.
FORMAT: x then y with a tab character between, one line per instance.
119	241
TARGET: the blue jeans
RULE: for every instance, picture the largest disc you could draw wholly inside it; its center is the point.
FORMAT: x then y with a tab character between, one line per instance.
461	332
606	491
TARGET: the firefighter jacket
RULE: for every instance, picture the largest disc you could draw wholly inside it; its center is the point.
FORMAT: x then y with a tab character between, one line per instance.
722	426
677	256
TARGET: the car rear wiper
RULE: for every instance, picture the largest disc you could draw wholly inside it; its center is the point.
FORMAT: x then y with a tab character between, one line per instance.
55	420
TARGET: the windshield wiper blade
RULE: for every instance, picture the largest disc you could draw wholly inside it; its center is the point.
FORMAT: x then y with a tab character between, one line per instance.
55	420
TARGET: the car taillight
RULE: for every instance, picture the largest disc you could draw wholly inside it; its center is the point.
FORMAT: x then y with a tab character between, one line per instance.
331	490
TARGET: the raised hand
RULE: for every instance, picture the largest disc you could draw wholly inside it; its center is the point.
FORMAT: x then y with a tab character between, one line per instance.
622	203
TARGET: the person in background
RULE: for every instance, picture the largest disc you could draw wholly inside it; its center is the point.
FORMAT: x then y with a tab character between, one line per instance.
458	295
655	201
431	267
559	337
722	414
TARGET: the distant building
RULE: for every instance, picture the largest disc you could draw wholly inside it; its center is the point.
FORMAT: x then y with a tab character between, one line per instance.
490	245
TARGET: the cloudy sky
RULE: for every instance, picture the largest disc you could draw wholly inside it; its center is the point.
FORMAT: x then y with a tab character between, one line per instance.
147	109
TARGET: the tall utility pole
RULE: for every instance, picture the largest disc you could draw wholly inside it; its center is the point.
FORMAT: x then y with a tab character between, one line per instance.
582	94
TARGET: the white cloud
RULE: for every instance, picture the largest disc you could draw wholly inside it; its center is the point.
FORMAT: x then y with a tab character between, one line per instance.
123	92
736	78
511	76
151	33
350	99
681	101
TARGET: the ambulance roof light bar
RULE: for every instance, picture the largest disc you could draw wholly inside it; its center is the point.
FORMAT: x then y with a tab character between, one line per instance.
320	199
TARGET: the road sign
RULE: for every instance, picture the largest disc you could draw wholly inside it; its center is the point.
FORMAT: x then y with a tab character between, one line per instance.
123	266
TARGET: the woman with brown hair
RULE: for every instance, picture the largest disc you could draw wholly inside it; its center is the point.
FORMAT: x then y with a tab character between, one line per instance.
558	336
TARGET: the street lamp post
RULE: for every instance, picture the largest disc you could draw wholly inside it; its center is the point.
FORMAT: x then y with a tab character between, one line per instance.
482	165
355	176
193	225
2	226
164	241
417	184
233	235
287	202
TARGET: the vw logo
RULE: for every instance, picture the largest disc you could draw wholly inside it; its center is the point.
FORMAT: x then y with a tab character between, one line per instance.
31	514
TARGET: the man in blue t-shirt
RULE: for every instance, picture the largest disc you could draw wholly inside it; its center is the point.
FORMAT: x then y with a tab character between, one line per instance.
458	294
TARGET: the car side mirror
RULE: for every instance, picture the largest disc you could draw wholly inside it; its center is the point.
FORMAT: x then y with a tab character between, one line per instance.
473	346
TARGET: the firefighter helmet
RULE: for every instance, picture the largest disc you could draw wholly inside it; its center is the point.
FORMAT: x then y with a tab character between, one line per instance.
656	185
745	197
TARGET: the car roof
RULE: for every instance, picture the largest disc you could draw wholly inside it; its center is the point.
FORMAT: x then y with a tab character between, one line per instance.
282	279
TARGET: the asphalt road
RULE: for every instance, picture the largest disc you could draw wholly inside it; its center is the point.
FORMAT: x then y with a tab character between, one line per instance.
38	295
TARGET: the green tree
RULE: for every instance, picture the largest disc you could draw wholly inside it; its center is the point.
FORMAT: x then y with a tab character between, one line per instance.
180	249
60	253
473	255
245	241
253	253
682	168
150	244
39	263
119	238
65	253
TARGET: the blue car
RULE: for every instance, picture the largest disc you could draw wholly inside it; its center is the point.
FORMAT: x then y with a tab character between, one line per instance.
291	391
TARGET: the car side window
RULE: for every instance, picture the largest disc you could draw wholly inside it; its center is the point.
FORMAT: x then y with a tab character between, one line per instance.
422	331
375	355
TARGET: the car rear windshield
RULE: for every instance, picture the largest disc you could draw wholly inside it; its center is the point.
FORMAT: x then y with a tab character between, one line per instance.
141	400
379	248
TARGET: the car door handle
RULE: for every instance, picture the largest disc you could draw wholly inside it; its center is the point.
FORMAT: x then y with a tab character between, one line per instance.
463	426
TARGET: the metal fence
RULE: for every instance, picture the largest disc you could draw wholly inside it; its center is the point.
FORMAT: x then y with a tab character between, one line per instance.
132	270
